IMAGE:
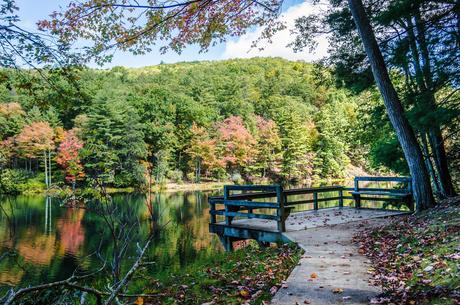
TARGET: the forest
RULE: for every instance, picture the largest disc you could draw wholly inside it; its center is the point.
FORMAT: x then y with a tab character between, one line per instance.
262	119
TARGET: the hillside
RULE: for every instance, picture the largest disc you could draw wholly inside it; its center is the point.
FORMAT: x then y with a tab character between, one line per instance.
246	119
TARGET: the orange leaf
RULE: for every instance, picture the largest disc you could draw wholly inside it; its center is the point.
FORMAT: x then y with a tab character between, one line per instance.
139	301
244	293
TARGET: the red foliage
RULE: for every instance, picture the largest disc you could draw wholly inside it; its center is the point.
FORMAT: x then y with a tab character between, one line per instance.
68	158
238	145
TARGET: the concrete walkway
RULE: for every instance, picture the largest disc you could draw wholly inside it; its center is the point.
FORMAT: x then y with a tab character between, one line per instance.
331	271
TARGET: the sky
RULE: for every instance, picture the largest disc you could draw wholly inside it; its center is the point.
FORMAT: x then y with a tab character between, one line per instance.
30	11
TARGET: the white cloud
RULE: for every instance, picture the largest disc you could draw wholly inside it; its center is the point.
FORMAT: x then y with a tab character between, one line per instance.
241	48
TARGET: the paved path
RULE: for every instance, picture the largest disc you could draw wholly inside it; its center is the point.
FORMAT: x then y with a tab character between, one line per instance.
331	271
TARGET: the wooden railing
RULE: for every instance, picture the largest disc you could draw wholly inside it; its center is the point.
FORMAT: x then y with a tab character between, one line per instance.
255	201
383	194
242	204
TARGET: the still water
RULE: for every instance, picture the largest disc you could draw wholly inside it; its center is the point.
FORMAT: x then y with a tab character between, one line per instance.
50	241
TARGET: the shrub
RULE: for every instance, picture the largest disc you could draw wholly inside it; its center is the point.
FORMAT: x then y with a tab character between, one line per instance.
11	179
33	184
176	176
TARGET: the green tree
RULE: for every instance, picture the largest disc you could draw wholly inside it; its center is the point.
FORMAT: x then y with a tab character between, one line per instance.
11	119
114	142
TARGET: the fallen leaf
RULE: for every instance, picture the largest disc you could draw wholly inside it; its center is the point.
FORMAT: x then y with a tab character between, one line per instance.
139	301
337	290
245	293
313	275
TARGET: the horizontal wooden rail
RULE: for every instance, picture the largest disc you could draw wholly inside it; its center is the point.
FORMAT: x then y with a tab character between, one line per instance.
312	200
384	179
375	194
291	192
252	215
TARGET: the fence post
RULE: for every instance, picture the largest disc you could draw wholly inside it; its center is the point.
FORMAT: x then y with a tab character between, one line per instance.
315	201
280	210
341	198
357	197
212	209
228	220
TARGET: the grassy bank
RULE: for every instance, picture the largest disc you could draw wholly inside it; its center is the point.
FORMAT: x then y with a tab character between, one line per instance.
416	259
250	274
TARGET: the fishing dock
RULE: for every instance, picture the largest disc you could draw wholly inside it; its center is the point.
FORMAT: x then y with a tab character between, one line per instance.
267	213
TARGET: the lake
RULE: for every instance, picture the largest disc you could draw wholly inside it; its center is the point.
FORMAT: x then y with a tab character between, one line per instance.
51	241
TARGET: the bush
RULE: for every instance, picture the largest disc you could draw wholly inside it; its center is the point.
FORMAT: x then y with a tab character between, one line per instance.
33	184
191	177
11	180
176	176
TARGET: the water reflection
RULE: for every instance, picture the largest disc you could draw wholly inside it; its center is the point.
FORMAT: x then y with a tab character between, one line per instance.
50	241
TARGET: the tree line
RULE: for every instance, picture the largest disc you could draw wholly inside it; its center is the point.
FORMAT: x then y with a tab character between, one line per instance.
243	120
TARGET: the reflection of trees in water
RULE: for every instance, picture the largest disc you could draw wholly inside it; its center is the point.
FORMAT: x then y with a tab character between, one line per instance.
185	246
36	247
71	234
71	231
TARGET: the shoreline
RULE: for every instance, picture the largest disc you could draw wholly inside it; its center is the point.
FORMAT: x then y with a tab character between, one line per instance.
166	187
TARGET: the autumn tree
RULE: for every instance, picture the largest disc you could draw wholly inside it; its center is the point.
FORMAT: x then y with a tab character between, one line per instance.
68	156
236	144
202	151
35	140
109	24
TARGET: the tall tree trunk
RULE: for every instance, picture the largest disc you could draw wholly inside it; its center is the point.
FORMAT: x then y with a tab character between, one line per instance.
46	168
429	99
198	170
429	164
435	135
423	193
440	158
49	166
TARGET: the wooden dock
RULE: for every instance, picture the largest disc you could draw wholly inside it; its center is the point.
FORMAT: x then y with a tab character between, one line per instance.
266	213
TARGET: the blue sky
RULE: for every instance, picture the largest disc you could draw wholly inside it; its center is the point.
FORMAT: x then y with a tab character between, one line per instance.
30	11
